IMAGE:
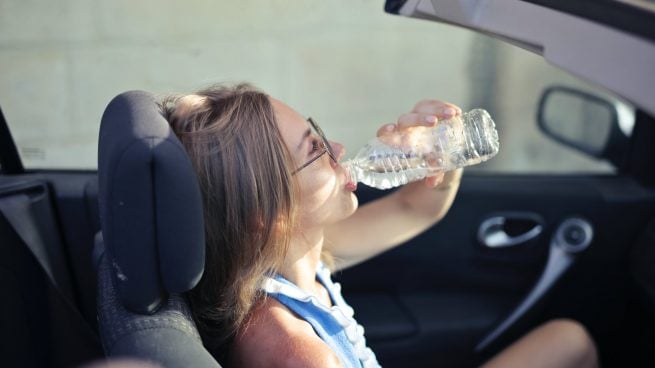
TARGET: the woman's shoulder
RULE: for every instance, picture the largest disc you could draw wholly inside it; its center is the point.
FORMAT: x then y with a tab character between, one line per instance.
273	336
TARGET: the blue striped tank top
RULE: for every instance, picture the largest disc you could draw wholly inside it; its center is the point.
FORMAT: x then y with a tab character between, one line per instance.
335	325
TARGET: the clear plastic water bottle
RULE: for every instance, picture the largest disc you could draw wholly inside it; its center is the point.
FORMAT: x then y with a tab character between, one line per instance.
412	154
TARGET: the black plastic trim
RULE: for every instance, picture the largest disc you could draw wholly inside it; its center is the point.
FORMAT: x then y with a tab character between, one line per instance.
393	6
10	162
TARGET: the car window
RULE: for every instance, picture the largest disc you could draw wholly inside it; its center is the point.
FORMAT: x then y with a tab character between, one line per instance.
345	63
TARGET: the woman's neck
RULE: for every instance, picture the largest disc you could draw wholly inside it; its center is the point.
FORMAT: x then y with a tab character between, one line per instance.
302	259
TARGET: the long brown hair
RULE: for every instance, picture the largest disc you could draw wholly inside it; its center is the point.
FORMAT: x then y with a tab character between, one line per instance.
242	163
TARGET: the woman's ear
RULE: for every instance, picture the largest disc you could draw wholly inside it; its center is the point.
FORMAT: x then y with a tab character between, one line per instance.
277	226
281	225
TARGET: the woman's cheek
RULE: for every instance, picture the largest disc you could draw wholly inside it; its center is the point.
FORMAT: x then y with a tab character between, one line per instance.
318	191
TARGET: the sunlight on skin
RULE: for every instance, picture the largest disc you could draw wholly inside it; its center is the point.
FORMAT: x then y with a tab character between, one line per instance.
318	198
323	198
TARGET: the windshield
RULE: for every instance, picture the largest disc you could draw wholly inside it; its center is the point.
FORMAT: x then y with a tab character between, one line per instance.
351	70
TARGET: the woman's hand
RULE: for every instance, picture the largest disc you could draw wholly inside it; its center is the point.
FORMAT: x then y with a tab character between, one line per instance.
426	113
395	218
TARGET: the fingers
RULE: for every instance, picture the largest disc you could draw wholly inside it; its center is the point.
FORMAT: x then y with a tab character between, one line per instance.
433	181
386	129
440	109
433	161
426	113
407	121
416	119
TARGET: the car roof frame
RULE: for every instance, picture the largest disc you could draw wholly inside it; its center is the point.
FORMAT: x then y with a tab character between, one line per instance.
622	62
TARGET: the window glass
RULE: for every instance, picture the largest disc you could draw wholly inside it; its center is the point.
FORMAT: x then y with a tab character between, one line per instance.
346	63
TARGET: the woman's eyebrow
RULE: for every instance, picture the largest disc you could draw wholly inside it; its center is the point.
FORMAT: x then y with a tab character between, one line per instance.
307	133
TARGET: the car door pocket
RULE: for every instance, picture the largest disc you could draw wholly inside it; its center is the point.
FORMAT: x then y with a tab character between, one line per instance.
382	316
509	229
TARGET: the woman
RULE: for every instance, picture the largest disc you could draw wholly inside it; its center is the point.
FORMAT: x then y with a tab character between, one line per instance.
279	208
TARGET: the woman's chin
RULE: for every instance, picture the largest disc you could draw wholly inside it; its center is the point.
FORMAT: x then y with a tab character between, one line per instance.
348	207
354	203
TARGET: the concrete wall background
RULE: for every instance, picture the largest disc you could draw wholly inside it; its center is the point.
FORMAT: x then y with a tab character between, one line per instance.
344	62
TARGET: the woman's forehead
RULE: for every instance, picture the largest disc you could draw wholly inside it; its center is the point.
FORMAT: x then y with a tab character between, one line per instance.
292	124
284	111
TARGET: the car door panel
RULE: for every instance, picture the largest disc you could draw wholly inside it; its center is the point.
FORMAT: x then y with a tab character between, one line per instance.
455	291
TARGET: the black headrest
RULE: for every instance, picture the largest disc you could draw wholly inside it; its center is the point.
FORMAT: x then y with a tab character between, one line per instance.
150	204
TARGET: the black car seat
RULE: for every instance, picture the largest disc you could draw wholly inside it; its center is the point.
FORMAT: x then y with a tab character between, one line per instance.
151	249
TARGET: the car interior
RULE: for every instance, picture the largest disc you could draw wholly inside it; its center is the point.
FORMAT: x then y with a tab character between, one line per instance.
95	263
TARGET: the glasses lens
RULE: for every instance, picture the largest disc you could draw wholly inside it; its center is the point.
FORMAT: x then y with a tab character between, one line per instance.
325	148
320	133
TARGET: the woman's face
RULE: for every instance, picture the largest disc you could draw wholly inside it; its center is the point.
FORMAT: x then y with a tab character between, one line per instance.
326	193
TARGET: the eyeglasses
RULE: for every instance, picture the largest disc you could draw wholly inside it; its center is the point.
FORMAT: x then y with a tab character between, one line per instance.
324	147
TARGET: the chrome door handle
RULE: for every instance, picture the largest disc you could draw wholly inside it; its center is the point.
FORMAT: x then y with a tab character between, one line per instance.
492	232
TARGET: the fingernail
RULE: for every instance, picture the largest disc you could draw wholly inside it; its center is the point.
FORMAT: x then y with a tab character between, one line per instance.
449	111
430	119
389	127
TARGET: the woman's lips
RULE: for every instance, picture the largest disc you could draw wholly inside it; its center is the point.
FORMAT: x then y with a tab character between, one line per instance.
350	184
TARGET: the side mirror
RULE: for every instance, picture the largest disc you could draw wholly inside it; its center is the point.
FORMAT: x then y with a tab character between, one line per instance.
584	122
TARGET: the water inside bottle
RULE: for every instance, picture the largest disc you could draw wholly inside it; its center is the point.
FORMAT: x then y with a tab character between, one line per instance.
388	171
392	161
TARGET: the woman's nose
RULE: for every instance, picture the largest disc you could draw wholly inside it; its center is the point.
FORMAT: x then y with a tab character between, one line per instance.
339	150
